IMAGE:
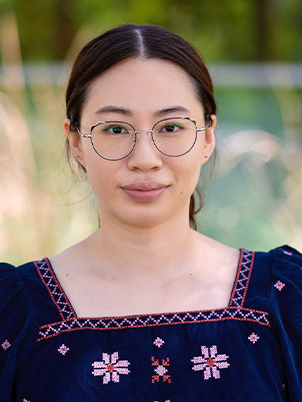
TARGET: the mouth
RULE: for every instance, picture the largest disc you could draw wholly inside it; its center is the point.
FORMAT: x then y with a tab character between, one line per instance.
145	191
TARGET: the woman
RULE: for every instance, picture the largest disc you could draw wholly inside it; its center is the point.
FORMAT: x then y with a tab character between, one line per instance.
146	308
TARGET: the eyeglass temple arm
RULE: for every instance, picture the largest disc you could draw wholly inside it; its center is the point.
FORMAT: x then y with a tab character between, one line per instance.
197	128
83	135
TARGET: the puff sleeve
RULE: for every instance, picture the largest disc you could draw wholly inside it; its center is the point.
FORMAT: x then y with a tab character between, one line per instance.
18	327
286	315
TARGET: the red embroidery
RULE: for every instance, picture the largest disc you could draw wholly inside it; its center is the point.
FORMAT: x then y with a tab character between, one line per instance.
6	345
103	324
63	349
210	362
242	279
110	368
279	285
158	342
161	370
253	338
54	289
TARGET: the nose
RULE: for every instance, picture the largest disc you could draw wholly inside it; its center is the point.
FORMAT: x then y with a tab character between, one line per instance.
145	156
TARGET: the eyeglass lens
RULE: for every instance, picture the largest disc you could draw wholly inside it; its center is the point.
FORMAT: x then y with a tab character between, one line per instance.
172	137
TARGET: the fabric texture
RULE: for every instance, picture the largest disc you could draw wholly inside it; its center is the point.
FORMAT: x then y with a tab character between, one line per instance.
249	351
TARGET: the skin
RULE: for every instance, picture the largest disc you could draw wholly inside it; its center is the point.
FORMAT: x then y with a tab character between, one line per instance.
145	255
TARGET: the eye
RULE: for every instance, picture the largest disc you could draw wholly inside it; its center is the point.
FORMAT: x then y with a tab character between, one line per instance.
116	129
171	128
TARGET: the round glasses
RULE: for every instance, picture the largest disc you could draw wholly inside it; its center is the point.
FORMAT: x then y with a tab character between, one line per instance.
115	140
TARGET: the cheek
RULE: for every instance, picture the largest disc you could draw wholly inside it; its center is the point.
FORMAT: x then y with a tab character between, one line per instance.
188	177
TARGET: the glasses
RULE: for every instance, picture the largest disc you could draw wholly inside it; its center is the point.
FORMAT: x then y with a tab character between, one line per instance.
115	140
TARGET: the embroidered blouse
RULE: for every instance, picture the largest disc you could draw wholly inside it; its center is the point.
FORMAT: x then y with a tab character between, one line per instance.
249	351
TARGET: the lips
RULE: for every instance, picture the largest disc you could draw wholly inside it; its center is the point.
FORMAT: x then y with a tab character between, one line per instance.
145	191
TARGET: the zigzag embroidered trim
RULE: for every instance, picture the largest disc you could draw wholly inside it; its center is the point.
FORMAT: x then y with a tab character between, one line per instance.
242	279
70	322
54	289
75	324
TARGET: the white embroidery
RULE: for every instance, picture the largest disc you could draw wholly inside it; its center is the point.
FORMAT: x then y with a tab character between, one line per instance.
110	368
168	400
6	345
63	349
161	370
210	362
158	342
279	285
253	338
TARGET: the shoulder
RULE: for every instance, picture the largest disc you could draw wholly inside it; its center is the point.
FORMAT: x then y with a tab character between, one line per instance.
11	283
286	261
281	264
280	261
18	325
14	295
286	273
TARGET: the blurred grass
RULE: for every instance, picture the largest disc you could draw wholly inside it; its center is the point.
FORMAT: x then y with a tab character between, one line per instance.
254	201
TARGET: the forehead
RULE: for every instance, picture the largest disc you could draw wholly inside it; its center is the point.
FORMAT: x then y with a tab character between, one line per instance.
143	85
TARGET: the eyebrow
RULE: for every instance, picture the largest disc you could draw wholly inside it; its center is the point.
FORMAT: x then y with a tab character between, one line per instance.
114	109
170	110
128	112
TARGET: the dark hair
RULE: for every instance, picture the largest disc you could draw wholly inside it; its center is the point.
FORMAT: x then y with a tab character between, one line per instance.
137	41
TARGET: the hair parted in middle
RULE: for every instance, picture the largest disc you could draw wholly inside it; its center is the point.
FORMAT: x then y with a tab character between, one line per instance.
144	42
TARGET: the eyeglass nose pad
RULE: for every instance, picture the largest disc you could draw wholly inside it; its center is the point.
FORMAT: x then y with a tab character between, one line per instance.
148	132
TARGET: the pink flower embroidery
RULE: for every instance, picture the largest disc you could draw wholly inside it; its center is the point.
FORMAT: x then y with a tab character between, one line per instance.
110	368
253	338
161	370
63	349
158	342
279	285
25	400
287	252
210	362
168	400
6	345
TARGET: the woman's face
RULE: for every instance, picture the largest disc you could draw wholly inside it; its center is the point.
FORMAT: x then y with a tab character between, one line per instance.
146	188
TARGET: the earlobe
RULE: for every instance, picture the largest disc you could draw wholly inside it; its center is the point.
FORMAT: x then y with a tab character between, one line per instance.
74	142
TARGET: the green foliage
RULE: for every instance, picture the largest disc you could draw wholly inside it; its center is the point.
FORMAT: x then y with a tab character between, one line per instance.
224	30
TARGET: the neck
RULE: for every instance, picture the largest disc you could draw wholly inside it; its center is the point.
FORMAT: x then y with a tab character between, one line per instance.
128	253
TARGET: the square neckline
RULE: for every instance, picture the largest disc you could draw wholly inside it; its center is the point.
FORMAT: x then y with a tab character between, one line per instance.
66	310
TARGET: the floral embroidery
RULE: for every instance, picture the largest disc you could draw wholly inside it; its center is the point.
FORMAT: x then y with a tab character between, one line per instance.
161	370
110	368
283	386
63	349
253	338
287	252
25	400
6	345
168	400
279	285
158	342
210	362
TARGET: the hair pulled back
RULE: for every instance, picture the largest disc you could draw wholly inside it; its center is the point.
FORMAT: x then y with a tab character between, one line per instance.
137	41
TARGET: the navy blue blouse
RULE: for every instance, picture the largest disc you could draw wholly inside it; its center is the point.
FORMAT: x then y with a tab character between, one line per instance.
250	351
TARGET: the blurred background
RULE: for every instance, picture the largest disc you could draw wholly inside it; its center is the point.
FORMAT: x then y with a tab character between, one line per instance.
254	52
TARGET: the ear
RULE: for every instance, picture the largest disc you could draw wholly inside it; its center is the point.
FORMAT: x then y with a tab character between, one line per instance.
75	143
209	145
